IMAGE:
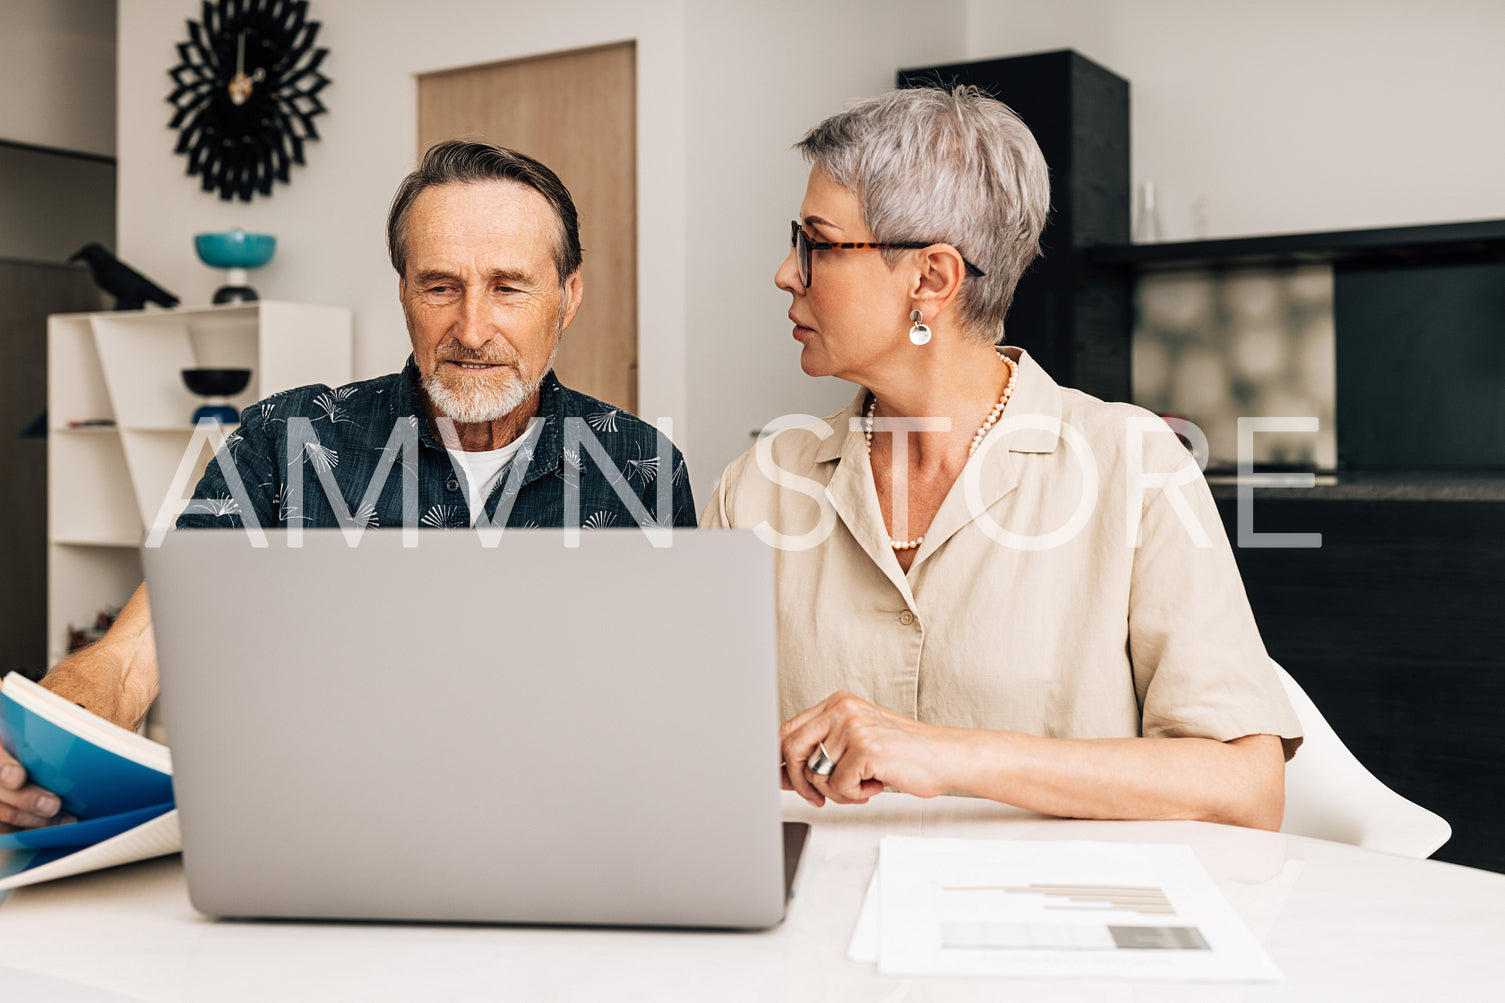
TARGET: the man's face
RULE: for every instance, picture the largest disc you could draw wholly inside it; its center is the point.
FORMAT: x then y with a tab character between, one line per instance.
481	296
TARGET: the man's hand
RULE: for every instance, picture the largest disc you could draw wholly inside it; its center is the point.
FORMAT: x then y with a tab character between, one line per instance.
872	748
24	805
115	678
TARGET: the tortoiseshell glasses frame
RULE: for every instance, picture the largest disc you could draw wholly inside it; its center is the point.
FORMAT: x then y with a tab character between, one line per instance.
803	245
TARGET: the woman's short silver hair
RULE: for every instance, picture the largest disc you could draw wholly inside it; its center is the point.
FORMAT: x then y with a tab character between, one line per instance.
954	167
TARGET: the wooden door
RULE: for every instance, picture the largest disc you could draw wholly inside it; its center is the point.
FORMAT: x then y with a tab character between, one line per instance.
575	111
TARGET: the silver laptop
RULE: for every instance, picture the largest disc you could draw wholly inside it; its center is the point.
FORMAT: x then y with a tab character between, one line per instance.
529	732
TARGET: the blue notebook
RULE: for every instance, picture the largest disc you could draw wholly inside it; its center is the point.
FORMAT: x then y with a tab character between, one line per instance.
82	833
111	779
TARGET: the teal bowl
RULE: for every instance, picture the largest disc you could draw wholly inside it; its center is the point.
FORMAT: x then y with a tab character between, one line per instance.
235	249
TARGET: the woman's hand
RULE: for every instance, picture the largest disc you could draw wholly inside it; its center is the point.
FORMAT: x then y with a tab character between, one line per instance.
872	748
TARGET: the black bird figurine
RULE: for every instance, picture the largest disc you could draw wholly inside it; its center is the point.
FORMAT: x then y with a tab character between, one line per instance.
131	289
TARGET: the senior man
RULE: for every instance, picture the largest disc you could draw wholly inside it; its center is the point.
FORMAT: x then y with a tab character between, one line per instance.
475	429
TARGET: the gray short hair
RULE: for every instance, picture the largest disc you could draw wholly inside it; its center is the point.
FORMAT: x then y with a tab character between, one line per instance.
456	162
954	167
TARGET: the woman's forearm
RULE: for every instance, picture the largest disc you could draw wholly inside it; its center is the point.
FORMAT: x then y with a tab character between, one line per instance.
1241	782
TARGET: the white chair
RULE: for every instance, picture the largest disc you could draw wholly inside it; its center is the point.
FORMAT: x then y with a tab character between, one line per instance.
1330	795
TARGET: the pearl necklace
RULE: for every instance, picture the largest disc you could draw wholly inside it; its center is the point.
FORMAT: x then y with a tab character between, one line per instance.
982	431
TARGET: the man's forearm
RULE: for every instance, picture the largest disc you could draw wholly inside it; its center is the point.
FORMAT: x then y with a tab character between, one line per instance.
116	677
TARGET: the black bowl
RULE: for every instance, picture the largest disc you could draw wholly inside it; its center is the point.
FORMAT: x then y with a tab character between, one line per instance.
217	382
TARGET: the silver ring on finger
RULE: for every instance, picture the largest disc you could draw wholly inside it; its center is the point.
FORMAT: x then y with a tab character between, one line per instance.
821	764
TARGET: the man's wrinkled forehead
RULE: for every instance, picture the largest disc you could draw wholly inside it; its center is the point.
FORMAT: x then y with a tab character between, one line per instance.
495	224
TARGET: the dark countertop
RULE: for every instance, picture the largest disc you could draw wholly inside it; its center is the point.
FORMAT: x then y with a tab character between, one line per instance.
1388	485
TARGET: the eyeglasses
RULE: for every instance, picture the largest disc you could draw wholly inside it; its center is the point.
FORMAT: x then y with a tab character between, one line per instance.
803	245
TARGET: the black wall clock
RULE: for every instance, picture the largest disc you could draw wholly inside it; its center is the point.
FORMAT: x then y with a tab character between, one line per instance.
246	93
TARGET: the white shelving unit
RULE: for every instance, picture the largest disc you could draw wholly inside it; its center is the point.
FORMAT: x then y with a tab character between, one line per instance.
107	482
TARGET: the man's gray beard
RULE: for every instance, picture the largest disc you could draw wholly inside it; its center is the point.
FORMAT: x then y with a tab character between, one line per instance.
483	402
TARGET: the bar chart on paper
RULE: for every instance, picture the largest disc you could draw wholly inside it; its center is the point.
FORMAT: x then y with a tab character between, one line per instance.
1030	925
1024	909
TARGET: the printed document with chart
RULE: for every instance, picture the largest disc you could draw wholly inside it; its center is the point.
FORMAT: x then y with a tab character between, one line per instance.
1023	909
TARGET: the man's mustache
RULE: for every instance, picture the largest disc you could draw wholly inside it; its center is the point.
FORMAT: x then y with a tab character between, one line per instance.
456	352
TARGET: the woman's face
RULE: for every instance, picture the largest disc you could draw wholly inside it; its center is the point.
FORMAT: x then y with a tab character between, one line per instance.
854	316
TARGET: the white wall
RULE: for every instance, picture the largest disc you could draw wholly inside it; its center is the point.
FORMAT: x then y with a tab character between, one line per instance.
330	220
57	74
713	199
1291	115
1278	116
759	76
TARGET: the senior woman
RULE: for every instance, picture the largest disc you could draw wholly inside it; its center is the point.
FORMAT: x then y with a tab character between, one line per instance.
987	583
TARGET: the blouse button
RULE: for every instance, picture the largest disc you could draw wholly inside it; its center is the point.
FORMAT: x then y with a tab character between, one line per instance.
906	618
452	485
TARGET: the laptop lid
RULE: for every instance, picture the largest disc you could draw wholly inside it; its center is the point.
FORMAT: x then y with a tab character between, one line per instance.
529	732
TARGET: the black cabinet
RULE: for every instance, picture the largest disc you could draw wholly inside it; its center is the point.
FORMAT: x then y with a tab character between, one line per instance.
1418	313
1396	630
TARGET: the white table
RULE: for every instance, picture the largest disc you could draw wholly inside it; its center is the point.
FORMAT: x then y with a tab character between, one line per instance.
1342	923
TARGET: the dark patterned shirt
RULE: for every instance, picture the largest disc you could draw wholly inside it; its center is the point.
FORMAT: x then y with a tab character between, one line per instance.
363	455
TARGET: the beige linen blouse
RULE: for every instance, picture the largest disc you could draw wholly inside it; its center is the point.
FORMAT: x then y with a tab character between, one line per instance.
1076	582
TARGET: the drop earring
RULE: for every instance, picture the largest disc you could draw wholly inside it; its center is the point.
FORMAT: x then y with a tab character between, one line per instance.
919	334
